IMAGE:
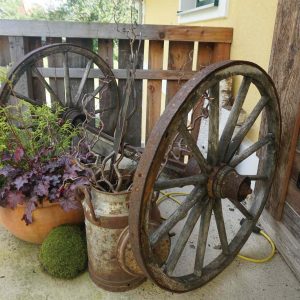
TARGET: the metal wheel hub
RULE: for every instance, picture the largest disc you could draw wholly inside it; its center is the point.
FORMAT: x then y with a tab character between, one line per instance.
226	182
74	115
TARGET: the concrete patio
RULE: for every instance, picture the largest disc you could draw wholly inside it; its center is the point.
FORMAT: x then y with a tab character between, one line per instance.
21	278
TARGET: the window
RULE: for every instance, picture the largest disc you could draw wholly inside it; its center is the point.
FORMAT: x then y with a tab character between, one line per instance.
201	10
207	3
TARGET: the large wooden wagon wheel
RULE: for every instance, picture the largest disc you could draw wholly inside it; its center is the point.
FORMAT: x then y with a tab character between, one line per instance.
215	182
64	94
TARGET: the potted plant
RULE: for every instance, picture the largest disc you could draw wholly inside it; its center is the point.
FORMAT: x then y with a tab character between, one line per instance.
38	174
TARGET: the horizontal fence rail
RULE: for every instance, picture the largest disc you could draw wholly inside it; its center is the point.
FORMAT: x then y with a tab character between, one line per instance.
115	31
168	57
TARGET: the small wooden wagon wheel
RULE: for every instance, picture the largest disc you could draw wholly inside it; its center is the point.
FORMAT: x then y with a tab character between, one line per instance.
215	182
72	100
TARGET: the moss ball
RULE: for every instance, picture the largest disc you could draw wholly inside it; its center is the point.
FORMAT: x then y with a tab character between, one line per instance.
63	253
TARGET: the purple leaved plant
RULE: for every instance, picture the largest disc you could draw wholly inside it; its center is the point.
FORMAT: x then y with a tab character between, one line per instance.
55	180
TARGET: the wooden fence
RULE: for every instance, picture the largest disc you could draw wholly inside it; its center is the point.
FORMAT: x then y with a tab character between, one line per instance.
169	55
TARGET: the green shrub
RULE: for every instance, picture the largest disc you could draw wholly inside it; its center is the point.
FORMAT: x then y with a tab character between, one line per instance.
38	130
63	254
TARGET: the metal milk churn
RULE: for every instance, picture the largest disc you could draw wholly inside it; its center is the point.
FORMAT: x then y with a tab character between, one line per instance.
111	263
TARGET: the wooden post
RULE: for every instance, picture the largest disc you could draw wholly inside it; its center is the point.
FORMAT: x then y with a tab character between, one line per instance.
284	68
17	51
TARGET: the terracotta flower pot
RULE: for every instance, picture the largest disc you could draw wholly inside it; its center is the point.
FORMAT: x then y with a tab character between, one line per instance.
46	217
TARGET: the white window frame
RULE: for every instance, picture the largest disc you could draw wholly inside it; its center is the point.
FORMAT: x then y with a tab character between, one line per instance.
188	12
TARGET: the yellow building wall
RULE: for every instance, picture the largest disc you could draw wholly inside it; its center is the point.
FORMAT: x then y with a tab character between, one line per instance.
252	22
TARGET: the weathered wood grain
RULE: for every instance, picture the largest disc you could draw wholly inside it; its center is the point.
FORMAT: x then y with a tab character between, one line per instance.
4	51
133	135
17	51
285	242
291	219
154	87
180	58
35	89
120	73
204	58
56	81
184	236
77	61
205	55
105	50
284	68
293	196
296	168
233	117
114	31
195	196
221	51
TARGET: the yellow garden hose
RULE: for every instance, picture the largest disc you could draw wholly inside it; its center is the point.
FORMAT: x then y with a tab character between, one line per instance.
261	232
169	195
261	260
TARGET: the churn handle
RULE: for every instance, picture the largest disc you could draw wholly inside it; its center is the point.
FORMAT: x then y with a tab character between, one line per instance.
83	190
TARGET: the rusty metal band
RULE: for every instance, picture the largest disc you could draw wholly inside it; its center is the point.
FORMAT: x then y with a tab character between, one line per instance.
114	285
108	222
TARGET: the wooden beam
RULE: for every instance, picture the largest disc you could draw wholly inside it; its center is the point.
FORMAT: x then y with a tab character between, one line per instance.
114	31
285	242
284	68
120	73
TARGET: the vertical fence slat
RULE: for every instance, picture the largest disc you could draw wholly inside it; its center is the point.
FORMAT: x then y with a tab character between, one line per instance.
56	60
221	52
204	58
180	58
205	55
17	51
154	88
4	51
105	50
36	89
133	135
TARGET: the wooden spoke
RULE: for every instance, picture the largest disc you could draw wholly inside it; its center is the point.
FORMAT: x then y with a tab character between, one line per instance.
252	149
184	236
202	238
217	208
45	84
233	117
194	148
23	97
83	81
257	177
196	195
67	79
238	138
213	131
98	90
94	94
242	209
180	182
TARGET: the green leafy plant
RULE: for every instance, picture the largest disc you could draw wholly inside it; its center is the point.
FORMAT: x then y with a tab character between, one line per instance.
3	74
35	151
32	128
63	254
